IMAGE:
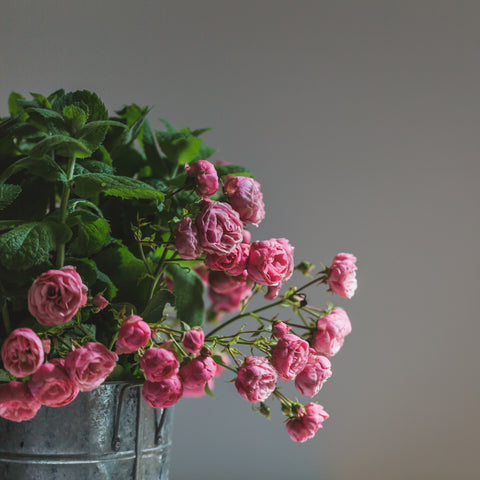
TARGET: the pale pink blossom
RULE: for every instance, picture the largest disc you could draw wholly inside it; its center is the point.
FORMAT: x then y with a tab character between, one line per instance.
342	276
304	427
193	340
133	334
17	403
197	372
233	263
256	379
205	175
289	356
280	329
159	363
163	394
186	239
246	198
316	372
331	332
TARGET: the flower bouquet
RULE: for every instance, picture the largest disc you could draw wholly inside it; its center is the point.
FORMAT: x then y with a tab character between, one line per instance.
124	253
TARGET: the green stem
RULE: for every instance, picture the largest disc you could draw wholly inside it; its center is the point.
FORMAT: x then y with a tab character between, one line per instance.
158	273
63	209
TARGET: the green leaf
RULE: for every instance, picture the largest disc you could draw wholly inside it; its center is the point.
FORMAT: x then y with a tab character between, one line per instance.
91	184
128	161
223	170
157	162
41	100
93	166
8	194
205	152
50	119
154	310
75	117
180	148
61	144
43	167
92	232
4	376
31	243
188	290
134	131
14	106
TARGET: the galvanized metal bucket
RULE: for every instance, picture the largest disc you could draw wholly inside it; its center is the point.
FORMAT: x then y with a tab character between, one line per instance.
107	434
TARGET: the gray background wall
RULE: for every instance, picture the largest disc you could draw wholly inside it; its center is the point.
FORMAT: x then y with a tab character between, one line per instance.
361	121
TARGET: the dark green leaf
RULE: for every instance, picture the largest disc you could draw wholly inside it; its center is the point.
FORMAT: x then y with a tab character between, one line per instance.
14	107
93	166
50	119
91	232
188	290
200	131
43	167
91	184
134	131
4	376
205	152
31	243
75	117
8	194
41	100
128	161
154	310
157	162
61	144
223	170
180	148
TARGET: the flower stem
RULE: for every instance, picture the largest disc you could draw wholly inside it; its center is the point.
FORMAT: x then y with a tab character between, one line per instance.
63	209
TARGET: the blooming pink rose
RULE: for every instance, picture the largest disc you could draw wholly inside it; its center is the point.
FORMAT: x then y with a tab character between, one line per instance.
100	302
233	263
289	356
341	276
247	236
227	293
163	394
219	227
193	340
159	364
205	175
256	379
316	372
246	198
306	425
280	329
197	372
331	332
89	366
186	241
133	334
22	352
270	261
56	296
17	403
52	386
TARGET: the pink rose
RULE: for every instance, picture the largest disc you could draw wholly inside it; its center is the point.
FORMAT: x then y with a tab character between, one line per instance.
247	236
163	394
17	403
193	340
186	241
270	261
133	334
305	426
90	365
227	293
246	198
197	372
56	296
331	332
289	356
341	276
100	302
159	364
272	291
219	227
52	386
256	379
22	352
280	329
205	175
233	263
316	372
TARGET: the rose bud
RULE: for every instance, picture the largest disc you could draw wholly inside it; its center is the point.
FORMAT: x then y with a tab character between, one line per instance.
205	175
247	236
22	352
289	356
186	241
17	403
52	386
133	334
246	198
272	291
159	364
305	426
89	366
100	302
331	332
233	263
193	340
341	276
163	394
56	296
197	372
280	329
219	227
270	261
256	379
47	346
316	372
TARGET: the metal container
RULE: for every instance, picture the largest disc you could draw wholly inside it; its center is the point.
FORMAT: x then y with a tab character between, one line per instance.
109	433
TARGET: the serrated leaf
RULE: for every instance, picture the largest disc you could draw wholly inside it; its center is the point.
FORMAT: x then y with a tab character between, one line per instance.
134	131
223	170
154	310
61	144
91	184
8	194
41	100
94	166
31	243
180	148
14	106
50	119
91	232
205	152
43	167
75	117
128	161
157	162
188	290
